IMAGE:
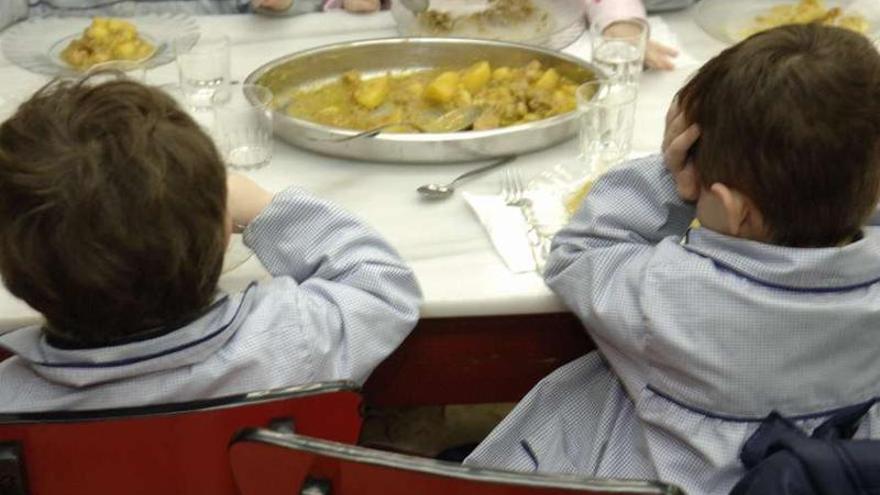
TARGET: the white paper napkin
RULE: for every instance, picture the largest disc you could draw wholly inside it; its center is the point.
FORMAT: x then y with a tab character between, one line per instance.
507	228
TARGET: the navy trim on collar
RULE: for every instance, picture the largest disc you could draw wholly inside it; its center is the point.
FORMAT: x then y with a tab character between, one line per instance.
799	270
750	419
60	341
804	290
181	347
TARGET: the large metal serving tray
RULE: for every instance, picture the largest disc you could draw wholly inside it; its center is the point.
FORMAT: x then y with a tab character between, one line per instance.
314	67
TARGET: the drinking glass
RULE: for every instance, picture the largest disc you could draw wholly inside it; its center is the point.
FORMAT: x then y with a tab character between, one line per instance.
202	115
606	113
619	49
203	66
243	125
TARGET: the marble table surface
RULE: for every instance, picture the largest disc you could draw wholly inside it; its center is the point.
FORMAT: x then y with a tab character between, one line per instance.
460	273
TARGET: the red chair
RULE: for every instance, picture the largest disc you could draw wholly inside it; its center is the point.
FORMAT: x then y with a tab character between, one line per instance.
266	462
161	450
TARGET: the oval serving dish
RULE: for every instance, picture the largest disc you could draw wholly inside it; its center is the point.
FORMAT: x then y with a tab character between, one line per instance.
312	68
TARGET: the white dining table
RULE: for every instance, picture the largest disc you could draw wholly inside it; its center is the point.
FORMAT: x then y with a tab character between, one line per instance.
460	273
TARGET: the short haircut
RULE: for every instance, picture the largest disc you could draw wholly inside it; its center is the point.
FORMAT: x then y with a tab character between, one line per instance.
791	118
112	210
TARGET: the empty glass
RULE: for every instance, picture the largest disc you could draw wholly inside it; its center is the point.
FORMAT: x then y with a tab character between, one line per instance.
607	112
619	49
243	125
204	116
203	65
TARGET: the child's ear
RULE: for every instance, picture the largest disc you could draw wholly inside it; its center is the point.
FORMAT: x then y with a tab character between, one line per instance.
742	217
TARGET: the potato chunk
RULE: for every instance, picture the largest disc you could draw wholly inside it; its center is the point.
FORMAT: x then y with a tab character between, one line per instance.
501	74
548	80
372	92
476	76
442	88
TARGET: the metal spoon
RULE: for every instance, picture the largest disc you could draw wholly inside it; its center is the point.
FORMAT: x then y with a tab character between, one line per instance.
441	191
458	119
416	6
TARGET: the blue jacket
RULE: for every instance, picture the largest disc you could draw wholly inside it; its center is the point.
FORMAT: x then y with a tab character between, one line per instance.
784	461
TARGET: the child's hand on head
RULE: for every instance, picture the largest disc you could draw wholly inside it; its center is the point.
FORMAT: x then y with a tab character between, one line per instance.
678	139
361	5
276	5
245	199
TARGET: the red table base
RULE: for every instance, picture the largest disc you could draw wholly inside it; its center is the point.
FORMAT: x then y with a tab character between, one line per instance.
476	360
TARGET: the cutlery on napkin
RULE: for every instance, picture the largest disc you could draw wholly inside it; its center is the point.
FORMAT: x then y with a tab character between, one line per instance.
507	228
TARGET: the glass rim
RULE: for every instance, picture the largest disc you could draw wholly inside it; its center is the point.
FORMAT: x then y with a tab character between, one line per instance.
645	33
187	43
630	95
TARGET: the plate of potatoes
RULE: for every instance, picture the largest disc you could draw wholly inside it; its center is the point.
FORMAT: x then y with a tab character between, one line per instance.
68	46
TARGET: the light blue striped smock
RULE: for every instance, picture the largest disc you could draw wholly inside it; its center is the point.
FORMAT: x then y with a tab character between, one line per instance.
341	300
700	335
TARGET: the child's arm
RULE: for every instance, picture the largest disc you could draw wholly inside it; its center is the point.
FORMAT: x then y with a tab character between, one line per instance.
339	286
598	261
12	11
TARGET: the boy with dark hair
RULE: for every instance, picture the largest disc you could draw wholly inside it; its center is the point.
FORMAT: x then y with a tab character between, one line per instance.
772	305
115	212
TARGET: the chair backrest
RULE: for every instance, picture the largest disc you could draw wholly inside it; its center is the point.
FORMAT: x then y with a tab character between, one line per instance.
265	462
171	449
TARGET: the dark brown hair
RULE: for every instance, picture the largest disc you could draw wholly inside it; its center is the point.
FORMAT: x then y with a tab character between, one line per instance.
791	118
112	210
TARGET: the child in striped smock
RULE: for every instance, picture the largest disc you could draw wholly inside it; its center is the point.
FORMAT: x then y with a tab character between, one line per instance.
770	306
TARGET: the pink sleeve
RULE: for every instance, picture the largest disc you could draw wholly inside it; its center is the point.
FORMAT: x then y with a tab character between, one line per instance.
603	12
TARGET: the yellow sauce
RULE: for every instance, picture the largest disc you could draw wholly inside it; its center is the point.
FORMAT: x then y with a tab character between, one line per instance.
505	95
573	200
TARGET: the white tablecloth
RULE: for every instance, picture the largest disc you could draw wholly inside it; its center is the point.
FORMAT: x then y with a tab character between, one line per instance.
460	273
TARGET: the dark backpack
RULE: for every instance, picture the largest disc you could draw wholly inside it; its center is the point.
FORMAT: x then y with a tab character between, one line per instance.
782	460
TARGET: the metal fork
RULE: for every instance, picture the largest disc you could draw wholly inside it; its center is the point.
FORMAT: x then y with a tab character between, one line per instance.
512	188
513	193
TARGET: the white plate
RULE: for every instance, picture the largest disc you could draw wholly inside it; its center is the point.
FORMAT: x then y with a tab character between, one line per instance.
36	44
565	23
726	20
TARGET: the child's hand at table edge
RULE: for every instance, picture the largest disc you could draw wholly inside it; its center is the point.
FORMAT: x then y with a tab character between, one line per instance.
274	5
245	199
657	55
361	5
678	139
